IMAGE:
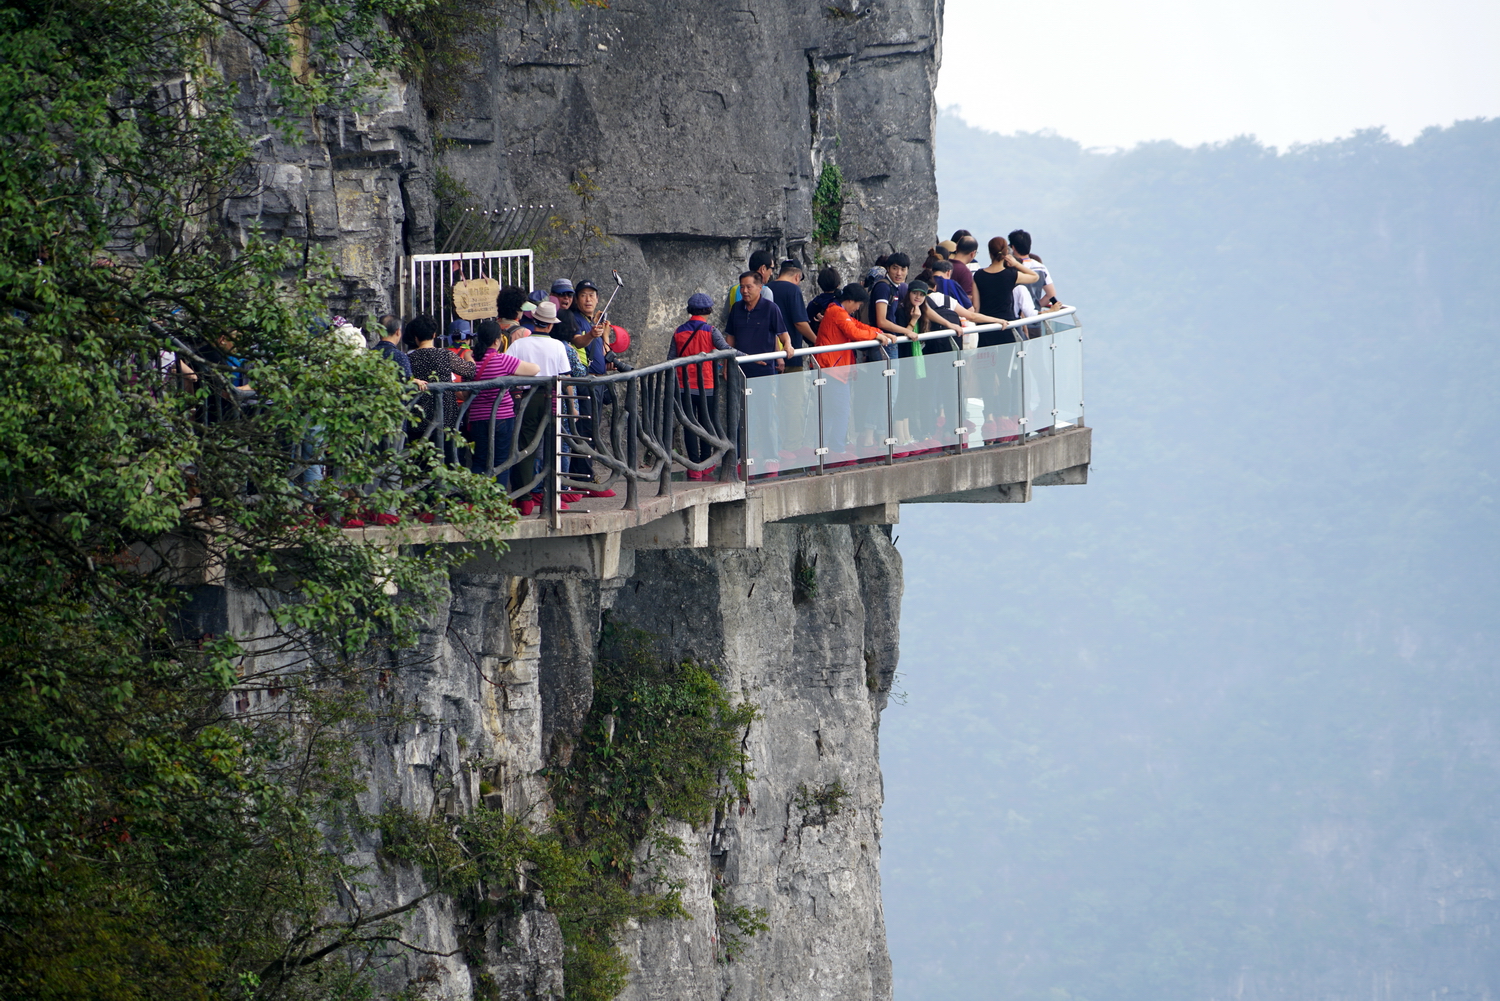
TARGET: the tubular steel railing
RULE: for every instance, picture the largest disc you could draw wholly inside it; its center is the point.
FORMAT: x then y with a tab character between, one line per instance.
564	428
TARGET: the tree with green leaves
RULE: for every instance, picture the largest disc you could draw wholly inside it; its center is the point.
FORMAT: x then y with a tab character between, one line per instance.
155	841
178	805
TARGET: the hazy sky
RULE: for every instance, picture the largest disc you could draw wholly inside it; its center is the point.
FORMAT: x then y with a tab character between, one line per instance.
1113	73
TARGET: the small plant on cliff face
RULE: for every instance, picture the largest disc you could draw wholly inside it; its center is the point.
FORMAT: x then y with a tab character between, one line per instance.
828	205
804	579
821	804
734	924
575	238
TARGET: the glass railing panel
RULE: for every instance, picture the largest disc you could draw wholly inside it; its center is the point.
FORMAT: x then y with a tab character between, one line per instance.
1039	388
781	422
1066	322
927	409
1067	375
992	394
869	413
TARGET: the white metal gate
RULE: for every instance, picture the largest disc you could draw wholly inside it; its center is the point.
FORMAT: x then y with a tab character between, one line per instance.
428	284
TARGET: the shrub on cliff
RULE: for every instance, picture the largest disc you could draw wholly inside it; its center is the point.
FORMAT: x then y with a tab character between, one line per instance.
168	813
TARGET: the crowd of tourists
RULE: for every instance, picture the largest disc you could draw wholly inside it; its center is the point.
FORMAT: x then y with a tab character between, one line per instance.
766	312
562	331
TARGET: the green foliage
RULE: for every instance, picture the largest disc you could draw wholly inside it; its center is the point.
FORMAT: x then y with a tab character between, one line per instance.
821	804
735	924
155	842
828	204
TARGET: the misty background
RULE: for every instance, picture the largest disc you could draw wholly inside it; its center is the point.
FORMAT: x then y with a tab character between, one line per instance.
1223	722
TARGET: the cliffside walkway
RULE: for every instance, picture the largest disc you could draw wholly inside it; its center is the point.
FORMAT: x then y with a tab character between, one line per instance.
957	424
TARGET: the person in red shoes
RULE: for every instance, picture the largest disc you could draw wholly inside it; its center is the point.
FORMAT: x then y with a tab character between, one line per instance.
839	326
695	383
532	343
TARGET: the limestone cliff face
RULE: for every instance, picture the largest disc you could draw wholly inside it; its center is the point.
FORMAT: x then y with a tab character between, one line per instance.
506	674
806	628
700	128
819	667
700	131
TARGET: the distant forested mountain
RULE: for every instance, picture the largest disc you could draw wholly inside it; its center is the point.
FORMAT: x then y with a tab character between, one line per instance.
1224	723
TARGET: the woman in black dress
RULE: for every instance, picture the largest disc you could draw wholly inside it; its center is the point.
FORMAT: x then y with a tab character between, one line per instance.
994	289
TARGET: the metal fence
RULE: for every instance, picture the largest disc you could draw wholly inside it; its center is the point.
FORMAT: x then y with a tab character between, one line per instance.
427	285
568	435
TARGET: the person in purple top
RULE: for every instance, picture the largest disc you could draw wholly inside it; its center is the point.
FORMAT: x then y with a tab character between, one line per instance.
756	326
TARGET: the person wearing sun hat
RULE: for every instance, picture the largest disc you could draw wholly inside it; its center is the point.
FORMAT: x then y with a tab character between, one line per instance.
552	359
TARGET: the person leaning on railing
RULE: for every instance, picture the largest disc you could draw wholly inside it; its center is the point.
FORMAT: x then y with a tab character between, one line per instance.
840	327
919	392
695	383
1043	292
490	421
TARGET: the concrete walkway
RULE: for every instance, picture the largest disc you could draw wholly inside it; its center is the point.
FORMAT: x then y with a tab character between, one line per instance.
597	534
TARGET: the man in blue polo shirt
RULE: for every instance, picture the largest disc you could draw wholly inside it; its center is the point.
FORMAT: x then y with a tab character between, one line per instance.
796	402
755	326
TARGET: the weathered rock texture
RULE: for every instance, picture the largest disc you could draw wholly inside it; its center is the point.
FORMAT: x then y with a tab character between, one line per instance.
806	628
697	132
700	129
818	665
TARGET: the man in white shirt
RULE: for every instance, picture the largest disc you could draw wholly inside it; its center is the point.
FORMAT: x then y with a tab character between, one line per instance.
1042	292
551	356
545	352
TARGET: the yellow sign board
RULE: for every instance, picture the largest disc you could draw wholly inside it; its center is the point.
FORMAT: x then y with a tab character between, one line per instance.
474	298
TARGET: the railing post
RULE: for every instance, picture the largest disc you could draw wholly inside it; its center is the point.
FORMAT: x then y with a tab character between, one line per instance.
554	493
667	382
961	413
733	420
1021	359
442	437
632	442
890	407
1052	346
819	381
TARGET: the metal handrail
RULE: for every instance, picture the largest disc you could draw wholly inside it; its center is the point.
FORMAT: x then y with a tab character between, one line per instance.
982	328
634	438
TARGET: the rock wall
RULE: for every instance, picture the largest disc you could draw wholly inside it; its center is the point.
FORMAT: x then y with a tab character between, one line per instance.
807	628
674	138
700	130
819	667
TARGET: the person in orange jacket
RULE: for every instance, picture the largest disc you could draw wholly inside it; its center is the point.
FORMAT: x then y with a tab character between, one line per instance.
838	326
